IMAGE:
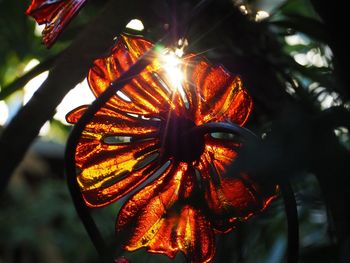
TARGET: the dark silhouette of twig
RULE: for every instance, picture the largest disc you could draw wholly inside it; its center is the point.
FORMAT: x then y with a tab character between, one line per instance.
22	80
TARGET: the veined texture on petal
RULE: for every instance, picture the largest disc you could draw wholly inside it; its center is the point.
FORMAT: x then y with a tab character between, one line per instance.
214	94
230	198
155	219
146	94
55	15
109	168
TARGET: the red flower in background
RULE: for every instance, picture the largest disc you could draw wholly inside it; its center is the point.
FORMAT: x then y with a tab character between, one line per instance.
139	143
55	15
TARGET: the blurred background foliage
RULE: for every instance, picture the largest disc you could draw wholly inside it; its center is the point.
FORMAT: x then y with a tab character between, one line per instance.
281	48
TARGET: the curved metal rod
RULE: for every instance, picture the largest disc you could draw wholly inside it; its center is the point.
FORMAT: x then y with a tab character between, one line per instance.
212	127
290	207
287	193
72	143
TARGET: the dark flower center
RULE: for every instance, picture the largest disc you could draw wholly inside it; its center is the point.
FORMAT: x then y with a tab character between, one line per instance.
177	142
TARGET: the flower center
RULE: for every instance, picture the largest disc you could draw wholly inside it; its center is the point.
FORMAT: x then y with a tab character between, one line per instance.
178	143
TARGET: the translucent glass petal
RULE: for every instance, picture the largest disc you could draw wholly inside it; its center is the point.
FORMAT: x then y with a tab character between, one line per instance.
110	122
55	14
153	219
108	162
229	197
214	94
145	94
120	186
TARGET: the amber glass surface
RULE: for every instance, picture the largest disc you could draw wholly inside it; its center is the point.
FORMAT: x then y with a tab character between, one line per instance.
54	14
181	196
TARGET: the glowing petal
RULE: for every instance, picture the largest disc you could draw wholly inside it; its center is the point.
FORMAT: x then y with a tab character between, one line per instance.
147	93
154	220
214	94
119	187
111	123
102	163
229	197
109	168
55	14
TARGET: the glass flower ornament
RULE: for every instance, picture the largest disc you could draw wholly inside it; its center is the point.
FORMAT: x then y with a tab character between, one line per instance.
143	145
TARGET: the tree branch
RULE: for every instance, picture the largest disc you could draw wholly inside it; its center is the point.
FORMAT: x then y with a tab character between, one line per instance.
21	81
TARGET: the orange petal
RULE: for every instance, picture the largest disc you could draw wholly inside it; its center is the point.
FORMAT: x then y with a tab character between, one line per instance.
166	188
146	93
101	163
222	152
55	14
214	94
153	219
115	189
111	169
109	122
195	235
188	231
229	197
114	171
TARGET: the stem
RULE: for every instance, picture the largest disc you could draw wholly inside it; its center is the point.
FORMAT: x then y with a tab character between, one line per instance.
290	206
